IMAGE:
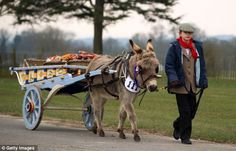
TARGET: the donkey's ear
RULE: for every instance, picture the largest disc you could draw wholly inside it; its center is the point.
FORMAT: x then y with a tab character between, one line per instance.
149	46
135	47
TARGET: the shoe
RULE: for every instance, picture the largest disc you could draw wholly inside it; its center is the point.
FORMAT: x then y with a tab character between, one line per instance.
186	141
176	134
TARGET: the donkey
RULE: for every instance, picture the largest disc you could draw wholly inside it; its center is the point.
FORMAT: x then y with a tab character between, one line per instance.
135	71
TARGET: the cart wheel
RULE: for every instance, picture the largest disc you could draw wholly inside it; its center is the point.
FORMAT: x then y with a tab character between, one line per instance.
32	109
87	114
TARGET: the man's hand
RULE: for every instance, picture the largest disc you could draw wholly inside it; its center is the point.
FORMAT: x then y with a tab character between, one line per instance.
175	84
204	86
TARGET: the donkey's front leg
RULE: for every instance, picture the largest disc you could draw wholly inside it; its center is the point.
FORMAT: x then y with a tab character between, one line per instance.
129	108
122	118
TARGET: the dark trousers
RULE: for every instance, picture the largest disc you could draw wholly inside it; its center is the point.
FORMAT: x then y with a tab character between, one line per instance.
186	106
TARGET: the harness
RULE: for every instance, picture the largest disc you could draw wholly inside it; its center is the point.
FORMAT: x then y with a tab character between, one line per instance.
121	63
138	71
111	65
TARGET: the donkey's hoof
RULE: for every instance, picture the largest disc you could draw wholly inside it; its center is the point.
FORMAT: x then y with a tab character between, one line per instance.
137	138
122	135
94	130
101	133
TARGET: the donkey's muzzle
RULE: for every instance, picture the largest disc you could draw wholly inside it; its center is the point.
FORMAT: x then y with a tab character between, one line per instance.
152	88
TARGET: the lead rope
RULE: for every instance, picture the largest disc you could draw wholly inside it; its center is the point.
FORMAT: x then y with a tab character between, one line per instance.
143	93
200	92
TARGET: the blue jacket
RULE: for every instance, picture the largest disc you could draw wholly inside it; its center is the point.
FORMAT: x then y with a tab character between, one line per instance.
174	68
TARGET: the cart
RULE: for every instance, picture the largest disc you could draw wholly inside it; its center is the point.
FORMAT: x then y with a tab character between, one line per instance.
56	77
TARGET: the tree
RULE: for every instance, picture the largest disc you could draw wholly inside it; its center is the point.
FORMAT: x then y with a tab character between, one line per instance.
4	38
159	38
48	41
6	7
199	34
101	12
113	46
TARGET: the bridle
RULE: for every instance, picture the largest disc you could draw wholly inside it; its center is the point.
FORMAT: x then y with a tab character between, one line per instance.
138	71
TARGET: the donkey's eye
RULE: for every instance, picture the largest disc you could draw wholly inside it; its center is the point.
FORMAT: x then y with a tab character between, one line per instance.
139	69
157	69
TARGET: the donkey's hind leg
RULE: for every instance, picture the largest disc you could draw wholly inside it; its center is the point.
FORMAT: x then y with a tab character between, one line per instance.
94	129
129	108
122	118
98	105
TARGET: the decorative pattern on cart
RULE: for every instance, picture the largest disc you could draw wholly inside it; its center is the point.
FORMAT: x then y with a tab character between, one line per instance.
29	76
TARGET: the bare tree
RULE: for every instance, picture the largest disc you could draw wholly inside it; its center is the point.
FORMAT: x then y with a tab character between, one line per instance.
4	37
101	12
6	7
113	46
41	44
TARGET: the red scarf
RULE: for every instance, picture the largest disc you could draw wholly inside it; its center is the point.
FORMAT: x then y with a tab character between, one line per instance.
189	46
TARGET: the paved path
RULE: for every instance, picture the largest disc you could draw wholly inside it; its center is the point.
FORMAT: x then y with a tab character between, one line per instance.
54	137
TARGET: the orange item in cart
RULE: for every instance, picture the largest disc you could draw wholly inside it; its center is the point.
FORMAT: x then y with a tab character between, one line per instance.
86	55
69	56
54	59
83	55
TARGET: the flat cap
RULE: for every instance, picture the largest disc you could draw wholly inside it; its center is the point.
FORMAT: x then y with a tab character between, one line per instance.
186	27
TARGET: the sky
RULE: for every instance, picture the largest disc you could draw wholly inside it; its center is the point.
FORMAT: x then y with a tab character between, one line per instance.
215	17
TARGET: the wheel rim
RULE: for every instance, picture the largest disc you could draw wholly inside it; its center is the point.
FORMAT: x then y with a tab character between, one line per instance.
87	115
88	118
32	110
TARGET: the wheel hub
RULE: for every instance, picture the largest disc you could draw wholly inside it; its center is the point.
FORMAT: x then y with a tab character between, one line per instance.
30	107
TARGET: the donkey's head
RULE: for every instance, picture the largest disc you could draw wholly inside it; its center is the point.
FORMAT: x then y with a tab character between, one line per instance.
144	66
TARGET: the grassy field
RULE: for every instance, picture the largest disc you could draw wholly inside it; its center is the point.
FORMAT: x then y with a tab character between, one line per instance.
215	120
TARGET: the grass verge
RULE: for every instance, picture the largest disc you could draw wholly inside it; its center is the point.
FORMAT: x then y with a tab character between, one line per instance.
215	120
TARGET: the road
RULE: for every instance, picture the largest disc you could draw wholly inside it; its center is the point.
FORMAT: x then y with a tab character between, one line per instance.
56	137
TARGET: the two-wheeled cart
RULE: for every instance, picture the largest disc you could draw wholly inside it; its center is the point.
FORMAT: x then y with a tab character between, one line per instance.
56	77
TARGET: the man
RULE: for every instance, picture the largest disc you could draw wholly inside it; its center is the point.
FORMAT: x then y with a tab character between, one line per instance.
186	71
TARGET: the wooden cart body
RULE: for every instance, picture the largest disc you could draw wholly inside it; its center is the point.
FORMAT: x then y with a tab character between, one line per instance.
57	77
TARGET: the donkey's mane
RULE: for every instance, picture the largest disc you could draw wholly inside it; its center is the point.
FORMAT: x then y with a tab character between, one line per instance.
149	54
148	60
